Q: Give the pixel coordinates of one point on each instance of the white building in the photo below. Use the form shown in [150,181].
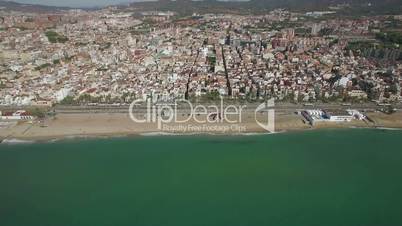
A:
[338,116]
[357,114]
[314,116]
[61,94]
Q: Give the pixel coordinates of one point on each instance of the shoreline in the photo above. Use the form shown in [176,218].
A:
[113,125]
[52,139]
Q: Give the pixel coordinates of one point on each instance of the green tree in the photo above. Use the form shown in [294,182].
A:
[55,37]
[37,112]
[68,100]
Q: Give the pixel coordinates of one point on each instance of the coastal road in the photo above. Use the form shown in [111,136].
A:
[281,107]
[250,107]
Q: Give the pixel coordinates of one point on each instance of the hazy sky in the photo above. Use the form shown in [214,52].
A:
[85,3]
[76,3]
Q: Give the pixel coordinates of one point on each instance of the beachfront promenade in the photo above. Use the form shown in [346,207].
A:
[71,121]
[280,107]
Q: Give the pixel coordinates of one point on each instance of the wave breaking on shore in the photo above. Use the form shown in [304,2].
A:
[207,134]
[16,141]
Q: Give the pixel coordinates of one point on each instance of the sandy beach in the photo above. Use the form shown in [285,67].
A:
[119,124]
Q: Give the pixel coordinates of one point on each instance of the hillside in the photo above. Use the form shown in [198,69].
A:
[259,6]
[14,6]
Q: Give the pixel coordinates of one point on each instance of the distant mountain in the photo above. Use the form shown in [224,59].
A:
[188,7]
[22,7]
[319,4]
[211,6]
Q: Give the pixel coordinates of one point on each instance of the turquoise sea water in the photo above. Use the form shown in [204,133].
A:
[330,177]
